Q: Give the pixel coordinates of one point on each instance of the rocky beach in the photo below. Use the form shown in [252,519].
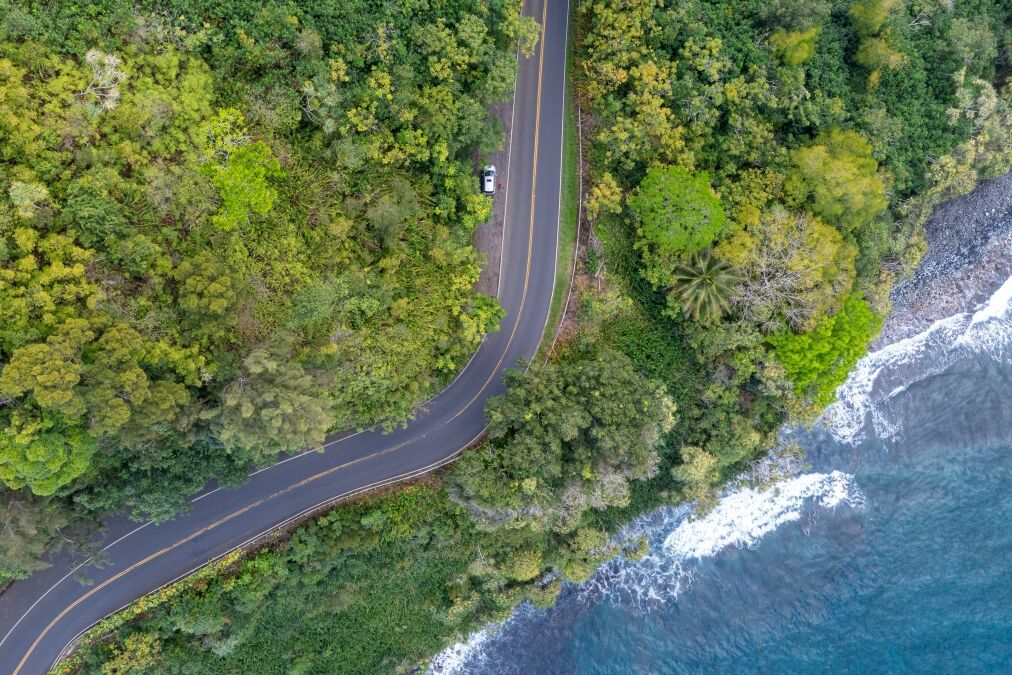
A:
[964,264]
[882,539]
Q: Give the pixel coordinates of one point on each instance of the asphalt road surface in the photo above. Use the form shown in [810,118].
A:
[40,616]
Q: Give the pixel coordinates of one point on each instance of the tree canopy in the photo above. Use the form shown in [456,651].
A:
[231,228]
[837,176]
[677,214]
[565,438]
[819,361]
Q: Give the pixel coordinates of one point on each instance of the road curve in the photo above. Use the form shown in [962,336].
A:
[41,615]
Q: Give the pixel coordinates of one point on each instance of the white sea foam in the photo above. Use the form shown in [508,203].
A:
[997,307]
[452,660]
[744,516]
[741,518]
[863,403]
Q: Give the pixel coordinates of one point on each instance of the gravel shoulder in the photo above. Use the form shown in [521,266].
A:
[487,237]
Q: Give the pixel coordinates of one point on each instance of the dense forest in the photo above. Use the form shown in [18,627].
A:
[228,228]
[761,173]
[758,175]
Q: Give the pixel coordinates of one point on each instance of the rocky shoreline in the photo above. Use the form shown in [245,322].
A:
[969,256]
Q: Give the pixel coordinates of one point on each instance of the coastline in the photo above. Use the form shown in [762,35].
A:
[969,258]
[963,265]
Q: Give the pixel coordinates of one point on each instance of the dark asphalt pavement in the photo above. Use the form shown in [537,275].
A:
[41,615]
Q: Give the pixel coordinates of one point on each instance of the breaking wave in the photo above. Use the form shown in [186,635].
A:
[452,659]
[863,404]
[678,541]
[741,518]
[745,514]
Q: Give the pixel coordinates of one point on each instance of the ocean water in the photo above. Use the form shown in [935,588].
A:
[890,552]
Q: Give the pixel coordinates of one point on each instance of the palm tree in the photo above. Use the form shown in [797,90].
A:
[703,287]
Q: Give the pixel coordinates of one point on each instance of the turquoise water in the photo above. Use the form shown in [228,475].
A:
[891,553]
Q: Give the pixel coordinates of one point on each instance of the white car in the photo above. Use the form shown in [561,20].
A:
[488,180]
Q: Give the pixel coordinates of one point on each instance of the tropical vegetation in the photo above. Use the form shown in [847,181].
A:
[759,172]
[228,228]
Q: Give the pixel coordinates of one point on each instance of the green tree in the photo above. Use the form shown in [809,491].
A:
[699,473]
[117,387]
[272,406]
[565,438]
[244,185]
[26,524]
[524,565]
[838,176]
[677,214]
[584,549]
[818,362]
[93,208]
[973,42]
[703,287]
[795,15]
[206,290]
[49,372]
[241,170]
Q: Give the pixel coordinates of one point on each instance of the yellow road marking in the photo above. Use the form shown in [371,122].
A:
[530,235]
[305,481]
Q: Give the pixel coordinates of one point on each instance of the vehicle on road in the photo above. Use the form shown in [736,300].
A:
[42,615]
[488,180]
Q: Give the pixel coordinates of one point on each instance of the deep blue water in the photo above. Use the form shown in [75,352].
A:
[900,562]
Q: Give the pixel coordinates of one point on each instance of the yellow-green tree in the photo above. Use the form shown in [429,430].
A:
[698,473]
[795,47]
[837,177]
[86,381]
[793,268]
[875,50]
[869,16]
[42,452]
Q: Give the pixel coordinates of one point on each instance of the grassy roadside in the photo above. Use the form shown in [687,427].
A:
[386,580]
[569,208]
[362,588]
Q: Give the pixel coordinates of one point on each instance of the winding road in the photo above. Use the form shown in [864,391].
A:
[41,616]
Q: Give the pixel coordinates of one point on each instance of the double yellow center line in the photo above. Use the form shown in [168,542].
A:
[527,273]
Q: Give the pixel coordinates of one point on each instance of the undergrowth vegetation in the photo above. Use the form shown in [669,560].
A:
[761,170]
[226,229]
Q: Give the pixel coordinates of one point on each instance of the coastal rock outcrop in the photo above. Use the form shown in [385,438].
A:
[969,256]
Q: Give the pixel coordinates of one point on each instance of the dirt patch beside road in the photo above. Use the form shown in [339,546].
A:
[488,236]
